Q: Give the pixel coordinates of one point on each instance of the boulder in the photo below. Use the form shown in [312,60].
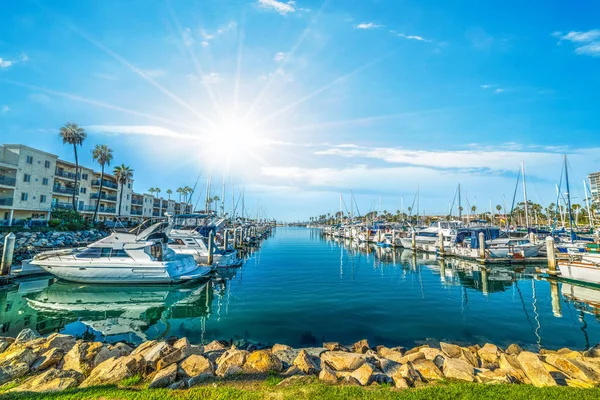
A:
[408,372]
[306,363]
[11,372]
[27,335]
[361,346]
[49,359]
[287,357]
[113,370]
[428,370]
[5,342]
[534,369]
[398,356]
[412,357]
[470,356]
[280,347]
[416,349]
[144,348]
[431,353]
[363,374]
[332,346]
[215,345]
[343,361]
[155,353]
[116,350]
[573,368]
[199,379]
[196,365]
[489,353]
[459,369]
[293,370]
[51,381]
[60,341]
[231,362]
[327,375]
[263,361]
[494,377]
[510,364]
[172,358]
[593,351]
[164,377]
[451,350]
[513,349]
[177,385]
[82,356]
[18,354]
[401,383]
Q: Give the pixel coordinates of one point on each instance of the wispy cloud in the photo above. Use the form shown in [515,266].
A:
[212,78]
[488,86]
[413,37]
[207,36]
[279,6]
[368,25]
[496,88]
[145,130]
[586,42]
[4,63]
[279,57]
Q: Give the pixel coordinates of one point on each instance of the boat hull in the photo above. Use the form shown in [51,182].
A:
[580,271]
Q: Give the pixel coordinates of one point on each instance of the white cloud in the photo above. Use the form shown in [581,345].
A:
[413,37]
[488,86]
[147,130]
[212,79]
[367,25]
[208,37]
[279,56]
[204,43]
[499,90]
[5,63]
[281,7]
[586,42]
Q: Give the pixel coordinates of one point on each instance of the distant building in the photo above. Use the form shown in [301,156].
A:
[595,186]
[33,183]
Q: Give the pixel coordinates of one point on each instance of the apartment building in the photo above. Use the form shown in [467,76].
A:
[33,183]
[595,186]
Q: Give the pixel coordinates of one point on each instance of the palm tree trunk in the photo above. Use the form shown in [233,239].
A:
[121,198]
[76,177]
[99,194]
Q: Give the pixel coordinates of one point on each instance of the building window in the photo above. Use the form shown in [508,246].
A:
[47,164]
[45,181]
[126,208]
[127,197]
[24,196]
[129,186]
[42,198]
[84,176]
[26,178]
[83,190]
[29,160]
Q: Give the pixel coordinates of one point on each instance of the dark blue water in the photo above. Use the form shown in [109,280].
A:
[300,289]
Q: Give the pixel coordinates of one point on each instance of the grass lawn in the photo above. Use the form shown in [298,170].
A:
[269,390]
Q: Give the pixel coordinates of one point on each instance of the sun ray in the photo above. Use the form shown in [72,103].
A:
[236,86]
[192,55]
[132,67]
[322,89]
[284,62]
[102,104]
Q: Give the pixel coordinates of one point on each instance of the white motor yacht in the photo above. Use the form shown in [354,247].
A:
[123,258]
[427,239]
[505,247]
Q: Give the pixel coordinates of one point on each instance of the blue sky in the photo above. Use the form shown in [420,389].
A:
[300,101]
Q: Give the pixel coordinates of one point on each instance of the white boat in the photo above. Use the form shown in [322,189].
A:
[123,258]
[508,247]
[427,239]
[584,267]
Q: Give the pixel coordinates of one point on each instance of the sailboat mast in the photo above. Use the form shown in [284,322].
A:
[587,204]
[223,199]
[418,199]
[208,193]
[459,204]
[525,195]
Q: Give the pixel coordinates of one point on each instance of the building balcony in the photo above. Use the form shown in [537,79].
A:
[104,197]
[156,214]
[107,210]
[87,208]
[63,190]
[8,164]
[64,174]
[6,201]
[62,206]
[137,202]
[8,180]
[105,184]
[136,212]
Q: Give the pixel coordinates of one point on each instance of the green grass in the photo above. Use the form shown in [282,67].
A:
[262,390]
[132,380]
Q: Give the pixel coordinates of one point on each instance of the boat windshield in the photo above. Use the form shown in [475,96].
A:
[97,252]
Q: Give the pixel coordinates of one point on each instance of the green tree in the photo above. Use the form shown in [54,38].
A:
[103,155]
[123,174]
[73,134]
[169,192]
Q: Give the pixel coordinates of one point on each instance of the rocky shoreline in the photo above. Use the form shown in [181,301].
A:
[30,362]
[29,243]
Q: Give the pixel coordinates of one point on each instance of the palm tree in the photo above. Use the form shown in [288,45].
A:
[498,207]
[186,190]
[72,133]
[103,155]
[169,192]
[122,173]
[180,191]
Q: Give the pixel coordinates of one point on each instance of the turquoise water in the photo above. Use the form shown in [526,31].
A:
[301,289]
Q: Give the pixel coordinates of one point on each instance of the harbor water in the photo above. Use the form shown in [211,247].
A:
[301,289]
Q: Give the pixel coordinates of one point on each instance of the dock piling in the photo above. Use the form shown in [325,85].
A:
[226,239]
[210,247]
[551,255]
[481,245]
[235,238]
[414,240]
[7,254]
[441,243]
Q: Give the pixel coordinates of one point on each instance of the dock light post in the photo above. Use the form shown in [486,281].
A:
[7,254]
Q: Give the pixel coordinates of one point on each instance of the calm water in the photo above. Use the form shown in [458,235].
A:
[301,289]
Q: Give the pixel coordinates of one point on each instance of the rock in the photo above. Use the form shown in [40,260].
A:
[401,383]
[113,370]
[27,335]
[18,354]
[155,353]
[388,367]
[280,347]
[164,377]
[332,346]
[5,342]
[489,353]
[416,349]
[106,352]
[172,358]
[51,381]
[181,344]
[82,356]
[287,357]
[215,345]
[297,380]
[12,371]
[408,372]
[451,350]
[342,361]
[510,364]
[428,370]
[494,377]
[363,374]
[459,369]
[327,375]
[49,359]
[199,379]
[59,341]
[513,349]
[213,355]
[573,368]
[293,370]
[231,362]
[144,348]
[361,346]
[390,354]
[195,365]
[431,353]
[411,358]
[177,385]
[306,363]
[263,361]
[534,369]
[470,356]
[592,352]
[350,381]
